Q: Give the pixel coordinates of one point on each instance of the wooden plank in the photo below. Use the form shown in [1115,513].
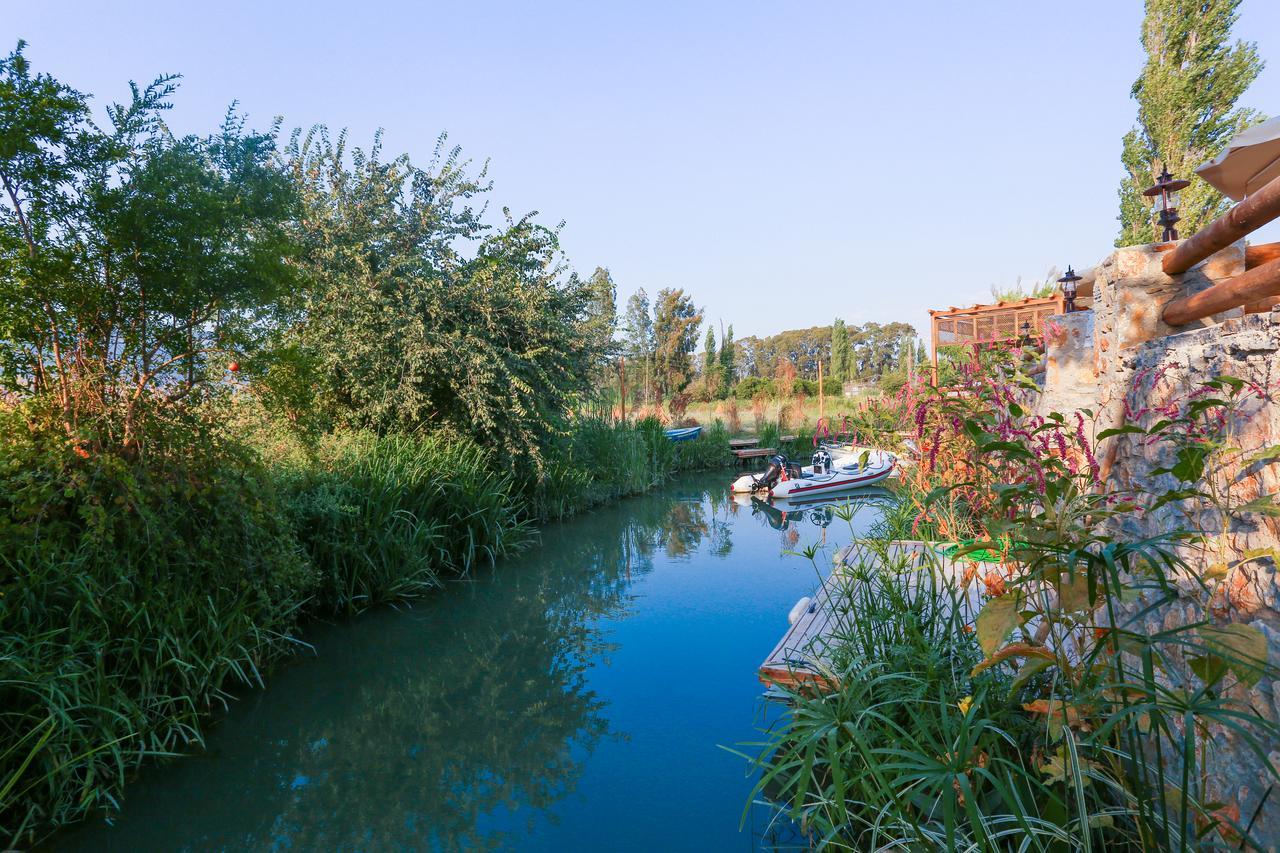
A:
[785,438]
[754,452]
[742,443]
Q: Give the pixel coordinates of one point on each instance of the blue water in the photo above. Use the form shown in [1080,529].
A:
[576,697]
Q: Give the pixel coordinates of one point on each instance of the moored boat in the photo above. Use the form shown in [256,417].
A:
[683,434]
[784,479]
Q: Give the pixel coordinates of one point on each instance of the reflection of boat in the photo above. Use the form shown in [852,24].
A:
[783,479]
[685,434]
[835,499]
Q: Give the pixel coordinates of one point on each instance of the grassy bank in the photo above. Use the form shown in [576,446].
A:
[137,594]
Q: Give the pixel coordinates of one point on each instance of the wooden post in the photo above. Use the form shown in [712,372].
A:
[1240,221]
[622,385]
[1248,287]
[820,399]
[933,325]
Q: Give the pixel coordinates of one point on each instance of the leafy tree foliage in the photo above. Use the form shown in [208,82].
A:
[839,350]
[1186,97]
[675,327]
[728,359]
[602,315]
[407,332]
[638,344]
[711,364]
[133,265]
[874,349]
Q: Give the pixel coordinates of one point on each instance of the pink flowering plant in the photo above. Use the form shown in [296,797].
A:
[1070,712]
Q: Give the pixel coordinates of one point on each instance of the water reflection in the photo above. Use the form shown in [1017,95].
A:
[467,721]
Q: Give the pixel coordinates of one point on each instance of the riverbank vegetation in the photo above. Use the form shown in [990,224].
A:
[1036,696]
[246,382]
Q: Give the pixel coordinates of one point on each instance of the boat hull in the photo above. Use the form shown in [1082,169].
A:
[879,465]
[686,434]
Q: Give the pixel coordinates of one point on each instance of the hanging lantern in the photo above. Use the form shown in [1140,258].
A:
[1069,284]
[1164,195]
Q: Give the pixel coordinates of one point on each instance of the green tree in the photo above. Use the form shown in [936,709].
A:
[406,331]
[1186,95]
[675,329]
[639,343]
[728,360]
[839,351]
[602,316]
[134,265]
[711,364]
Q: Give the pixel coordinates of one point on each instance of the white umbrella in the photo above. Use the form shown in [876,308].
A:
[1250,161]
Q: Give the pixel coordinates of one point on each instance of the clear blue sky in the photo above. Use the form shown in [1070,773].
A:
[786,163]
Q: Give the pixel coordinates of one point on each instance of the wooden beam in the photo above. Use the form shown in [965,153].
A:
[1240,221]
[1262,253]
[1251,286]
[1256,256]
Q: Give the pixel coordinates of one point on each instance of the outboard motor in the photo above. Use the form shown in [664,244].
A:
[772,474]
[821,462]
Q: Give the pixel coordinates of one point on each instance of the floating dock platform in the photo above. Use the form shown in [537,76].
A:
[801,659]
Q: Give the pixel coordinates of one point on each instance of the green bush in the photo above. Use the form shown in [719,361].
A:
[753,385]
[133,597]
[809,387]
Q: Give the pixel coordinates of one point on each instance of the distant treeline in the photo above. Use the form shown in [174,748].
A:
[873,350]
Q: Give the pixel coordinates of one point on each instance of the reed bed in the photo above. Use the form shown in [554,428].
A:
[138,596]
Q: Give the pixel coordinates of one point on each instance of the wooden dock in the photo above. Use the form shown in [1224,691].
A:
[801,659]
[746,455]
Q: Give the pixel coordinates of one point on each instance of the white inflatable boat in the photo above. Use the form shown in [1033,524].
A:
[784,479]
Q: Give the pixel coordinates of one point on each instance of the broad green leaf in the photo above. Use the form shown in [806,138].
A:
[1263,505]
[1121,430]
[998,617]
[1264,455]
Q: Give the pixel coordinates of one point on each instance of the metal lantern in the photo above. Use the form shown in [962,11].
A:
[1164,201]
[1025,329]
[1069,283]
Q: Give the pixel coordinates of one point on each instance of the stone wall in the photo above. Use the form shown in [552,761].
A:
[1120,361]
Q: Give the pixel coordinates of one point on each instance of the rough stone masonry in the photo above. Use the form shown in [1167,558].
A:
[1122,363]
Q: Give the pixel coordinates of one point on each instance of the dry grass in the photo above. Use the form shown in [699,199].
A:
[798,413]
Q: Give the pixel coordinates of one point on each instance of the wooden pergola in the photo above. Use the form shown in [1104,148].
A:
[997,324]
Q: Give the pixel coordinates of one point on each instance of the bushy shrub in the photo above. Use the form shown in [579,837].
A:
[754,386]
[133,595]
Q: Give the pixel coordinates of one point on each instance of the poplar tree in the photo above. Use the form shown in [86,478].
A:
[839,351]
[602,312]
[1186,98]
[728,366]
[711,363]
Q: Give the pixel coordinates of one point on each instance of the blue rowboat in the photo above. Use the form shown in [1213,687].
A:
[686,434]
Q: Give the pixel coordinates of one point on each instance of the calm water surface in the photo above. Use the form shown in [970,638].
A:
[574,698]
